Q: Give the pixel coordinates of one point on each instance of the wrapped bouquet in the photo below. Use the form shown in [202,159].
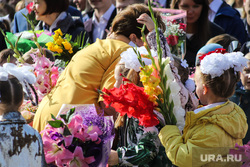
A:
[78,138]
[175,33]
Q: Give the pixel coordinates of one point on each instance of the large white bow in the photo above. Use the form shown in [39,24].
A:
[21,73]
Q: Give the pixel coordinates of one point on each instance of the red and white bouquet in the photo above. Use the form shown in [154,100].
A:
[175,33]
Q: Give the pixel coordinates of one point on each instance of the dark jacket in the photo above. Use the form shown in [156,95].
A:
[2,40]
[242,98]
[193,44]
[20,23]
[69,26]
[89,25]
[229,19]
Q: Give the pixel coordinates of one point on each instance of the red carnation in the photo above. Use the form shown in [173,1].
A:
[183,26]
[29,7]
[172,40]
[131,100]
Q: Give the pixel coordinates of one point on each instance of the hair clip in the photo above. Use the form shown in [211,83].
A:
[233,46]
[184,63]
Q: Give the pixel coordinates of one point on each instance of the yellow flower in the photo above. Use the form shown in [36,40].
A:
[58,32]
[70,51]
[59,41]
[58,49]
[66,45]
[55,37]
[50,46]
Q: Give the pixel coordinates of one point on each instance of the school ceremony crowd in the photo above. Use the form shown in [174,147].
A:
[147,83]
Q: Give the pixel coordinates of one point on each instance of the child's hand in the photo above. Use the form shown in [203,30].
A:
[113,158]
[146,19]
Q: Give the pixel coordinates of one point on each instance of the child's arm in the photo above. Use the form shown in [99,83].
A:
[183,153]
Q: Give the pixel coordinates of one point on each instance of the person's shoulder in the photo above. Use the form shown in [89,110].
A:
[74,12]
[227,10]
[215,29]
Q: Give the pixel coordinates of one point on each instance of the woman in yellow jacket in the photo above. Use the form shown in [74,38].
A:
[210,131]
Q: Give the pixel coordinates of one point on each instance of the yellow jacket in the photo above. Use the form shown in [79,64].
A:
[91,68]
[207,136]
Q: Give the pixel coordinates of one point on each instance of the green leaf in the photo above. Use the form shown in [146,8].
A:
[56,123]
[53,117]
[70,114]
[63,116]
[66,131]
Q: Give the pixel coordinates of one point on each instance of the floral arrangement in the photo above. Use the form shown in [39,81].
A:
[176,36]
[47,74]
[242,151]
[132,100]
[63,46]
[160,91]
[78,138]
[175,21]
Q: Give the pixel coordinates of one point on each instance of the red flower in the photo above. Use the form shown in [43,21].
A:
[131,100]
[219,50]
[172,40]
[183,26]
[29,7]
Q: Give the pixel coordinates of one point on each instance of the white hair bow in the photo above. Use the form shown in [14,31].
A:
[21,73]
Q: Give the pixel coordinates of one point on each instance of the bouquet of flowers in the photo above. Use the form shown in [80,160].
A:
[160,91]
[175,33]
[243,152]
[63,46]
[47,74]
[78,138]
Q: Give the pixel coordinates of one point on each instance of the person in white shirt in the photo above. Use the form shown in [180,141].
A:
[101,19]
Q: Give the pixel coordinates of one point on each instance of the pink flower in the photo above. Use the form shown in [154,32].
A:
[75,124]
[58,154]
[94,133]
[79,160]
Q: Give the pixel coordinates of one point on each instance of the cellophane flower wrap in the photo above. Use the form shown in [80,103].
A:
[243,153]
[78,138]
[175,21]
[160,91]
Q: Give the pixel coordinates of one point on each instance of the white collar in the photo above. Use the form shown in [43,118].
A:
[215,5]
[131,44]
[208,106]
[62,16]
[106,15]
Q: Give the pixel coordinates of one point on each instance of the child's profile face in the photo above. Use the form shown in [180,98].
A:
[199,86]
[118,78]
[245,76]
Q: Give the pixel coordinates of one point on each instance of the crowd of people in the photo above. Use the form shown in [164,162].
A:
[217,61]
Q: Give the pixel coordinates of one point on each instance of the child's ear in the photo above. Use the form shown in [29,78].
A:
[132,37]
[205,89]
